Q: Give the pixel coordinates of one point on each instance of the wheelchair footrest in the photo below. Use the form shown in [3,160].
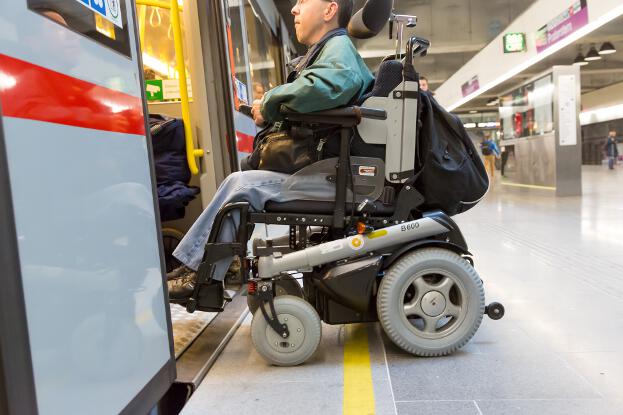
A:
[211,297]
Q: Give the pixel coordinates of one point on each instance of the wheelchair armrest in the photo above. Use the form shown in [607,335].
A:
[345,117]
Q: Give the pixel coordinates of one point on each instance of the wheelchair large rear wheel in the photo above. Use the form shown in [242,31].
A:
[431,302]
[305,332]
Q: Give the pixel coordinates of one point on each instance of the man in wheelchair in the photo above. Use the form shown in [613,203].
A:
[329,76]
[370,230]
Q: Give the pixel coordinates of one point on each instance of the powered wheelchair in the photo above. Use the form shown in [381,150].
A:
[372,254]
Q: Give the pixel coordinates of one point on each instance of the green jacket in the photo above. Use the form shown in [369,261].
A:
[337,76]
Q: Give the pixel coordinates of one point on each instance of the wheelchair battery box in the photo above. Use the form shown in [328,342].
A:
[347,292]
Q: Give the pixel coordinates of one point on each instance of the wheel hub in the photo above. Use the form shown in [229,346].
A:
[433,303]
[294,341]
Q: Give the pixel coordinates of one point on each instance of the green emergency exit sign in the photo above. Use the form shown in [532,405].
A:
[514,42]
[154,89]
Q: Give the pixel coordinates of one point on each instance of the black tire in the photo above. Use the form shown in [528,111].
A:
[305,332]
[285,285]
[431,302]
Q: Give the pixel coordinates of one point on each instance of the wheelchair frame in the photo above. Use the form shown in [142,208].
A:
[343,276]
[208,296]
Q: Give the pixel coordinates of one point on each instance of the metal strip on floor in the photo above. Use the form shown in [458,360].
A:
[194,363]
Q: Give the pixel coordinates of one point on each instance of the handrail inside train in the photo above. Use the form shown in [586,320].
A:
[191,151]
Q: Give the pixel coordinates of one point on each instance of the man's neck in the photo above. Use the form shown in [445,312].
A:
[321,33]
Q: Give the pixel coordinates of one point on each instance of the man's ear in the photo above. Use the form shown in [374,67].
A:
[331,11]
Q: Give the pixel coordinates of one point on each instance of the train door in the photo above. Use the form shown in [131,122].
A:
[232,51]
[84,323]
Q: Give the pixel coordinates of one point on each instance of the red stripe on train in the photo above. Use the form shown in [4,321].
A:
[33,92]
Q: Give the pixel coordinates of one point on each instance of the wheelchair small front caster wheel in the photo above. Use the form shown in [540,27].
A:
[303,325]
[495,311]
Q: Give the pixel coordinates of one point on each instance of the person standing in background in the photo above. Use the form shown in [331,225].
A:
[490,152]
[611,150]
[504,151]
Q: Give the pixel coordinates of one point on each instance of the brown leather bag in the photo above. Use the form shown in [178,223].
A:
[288,150]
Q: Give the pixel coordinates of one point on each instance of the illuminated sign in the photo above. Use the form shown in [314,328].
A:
[470,86]
[514,42]
[573,18]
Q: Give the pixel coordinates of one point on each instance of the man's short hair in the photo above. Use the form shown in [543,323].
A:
[344,12]
[423,78]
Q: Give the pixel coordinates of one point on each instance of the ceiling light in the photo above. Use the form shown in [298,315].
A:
[607,48]
[579,60]
[495,101]
[592,55]
[473,112]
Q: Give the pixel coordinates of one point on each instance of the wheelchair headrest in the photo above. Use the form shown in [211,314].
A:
[371,19]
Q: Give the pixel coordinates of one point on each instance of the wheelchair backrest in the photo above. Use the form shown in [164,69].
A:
[399,98]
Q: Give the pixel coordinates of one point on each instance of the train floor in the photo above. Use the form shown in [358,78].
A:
[557,266]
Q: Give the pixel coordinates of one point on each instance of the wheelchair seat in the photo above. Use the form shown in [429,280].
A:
[322,207]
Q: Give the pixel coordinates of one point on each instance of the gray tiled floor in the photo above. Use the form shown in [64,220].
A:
[556,264]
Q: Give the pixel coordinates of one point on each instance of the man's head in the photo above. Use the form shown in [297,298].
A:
[423,83]
[314,18]
[612,133]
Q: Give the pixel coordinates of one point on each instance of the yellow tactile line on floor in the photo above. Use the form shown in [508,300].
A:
[358,389]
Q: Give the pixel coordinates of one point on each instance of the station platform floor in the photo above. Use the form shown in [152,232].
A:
[557,266]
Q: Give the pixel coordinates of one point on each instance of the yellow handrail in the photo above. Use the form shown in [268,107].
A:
[142,17]
[191,151]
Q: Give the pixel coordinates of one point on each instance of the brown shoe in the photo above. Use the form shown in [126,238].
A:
[182,287]
[180,272]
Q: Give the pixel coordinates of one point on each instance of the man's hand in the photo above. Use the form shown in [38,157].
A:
[257,114]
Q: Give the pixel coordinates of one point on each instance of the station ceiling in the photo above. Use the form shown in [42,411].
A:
[596,75]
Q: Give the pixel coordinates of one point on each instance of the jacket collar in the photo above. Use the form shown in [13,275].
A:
[315,49]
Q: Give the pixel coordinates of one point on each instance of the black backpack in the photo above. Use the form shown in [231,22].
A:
[486,150]
[450,175]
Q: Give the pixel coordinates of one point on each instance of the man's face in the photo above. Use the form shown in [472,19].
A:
[310,17]
[612,134]
[423,84]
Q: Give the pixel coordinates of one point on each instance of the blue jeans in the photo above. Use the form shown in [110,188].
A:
[611,161]
[255,187]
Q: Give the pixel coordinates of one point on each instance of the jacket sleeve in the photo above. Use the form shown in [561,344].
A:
[333,80]
[496,149]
